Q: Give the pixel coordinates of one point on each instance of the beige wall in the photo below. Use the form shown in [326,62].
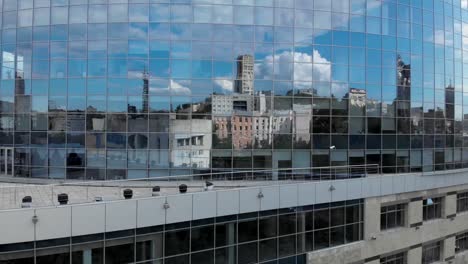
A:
[380,243]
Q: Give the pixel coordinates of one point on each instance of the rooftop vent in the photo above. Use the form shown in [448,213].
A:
[182,188]
[128,193]
[209,186]
[156,190]
[26,202]
[62,198]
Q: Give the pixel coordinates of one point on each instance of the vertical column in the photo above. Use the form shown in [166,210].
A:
[2,161]
[231,241]
[371,218]
[449,249]
[152,250]
[301,237]
[87,256]
[12,162]
[449,211]
[415,212]
[450,205]
[415,255]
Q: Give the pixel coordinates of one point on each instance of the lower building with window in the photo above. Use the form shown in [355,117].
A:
[432,252]
[284,235]
[398,258]
[461,242]
[392,216]
[462,202]
[236,222]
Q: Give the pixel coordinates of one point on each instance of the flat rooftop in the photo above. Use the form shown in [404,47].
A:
[11,194]
[44,191]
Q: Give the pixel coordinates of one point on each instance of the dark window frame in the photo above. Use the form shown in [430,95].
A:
[461,242]
[392,216]
[398,258]
[462,202]
[431,252]
[433,210]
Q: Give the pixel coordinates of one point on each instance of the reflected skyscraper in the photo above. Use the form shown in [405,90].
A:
[244,83]
[357,97]
[145,93]
[19,84]
[403,80]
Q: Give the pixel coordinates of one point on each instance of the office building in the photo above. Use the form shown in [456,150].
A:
[333,131]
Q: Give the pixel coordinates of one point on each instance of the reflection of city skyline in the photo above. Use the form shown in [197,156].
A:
[244,117]
[244,98]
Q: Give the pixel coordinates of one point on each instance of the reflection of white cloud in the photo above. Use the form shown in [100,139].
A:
[278,67]
[179,89]
[226,85]
[464,3]
[174,88]
[465,43]
[306,68]
[155,90]
[457,27]
[322,68]
[135,74]
[178,32]
[139,14]
[464,28]
[339,89]
[440,38]
[339,20]
[221,14]
[371,5]
[137,32]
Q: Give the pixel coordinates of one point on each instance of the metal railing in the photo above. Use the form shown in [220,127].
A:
[44,195]
[306,174]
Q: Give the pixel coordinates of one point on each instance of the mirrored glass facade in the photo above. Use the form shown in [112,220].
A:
[111,89]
